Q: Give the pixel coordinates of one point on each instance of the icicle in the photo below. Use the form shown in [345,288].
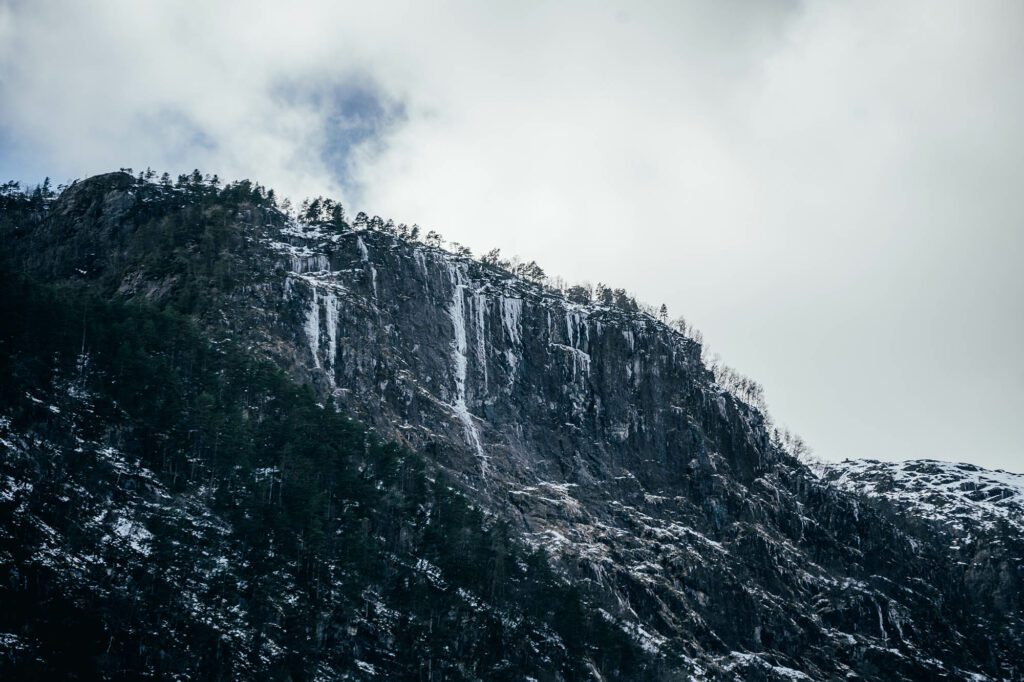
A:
[314,331]
[895,618]
[316,263]
[457,312]
[421,262]
[313,328]
[480,305]
[331,321]
[364,255]
[575,328]
[580,361]
[511,319]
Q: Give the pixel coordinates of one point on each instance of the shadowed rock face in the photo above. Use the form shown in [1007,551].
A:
[597,431]
[512,379]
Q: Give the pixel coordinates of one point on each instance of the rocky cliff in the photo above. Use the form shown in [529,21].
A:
[596,432]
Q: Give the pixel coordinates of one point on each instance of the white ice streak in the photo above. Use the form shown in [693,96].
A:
[457,313]
[580,360]
[314,263]
[578,342]
[301,259]
[364,255]
[312,328]
[314,332]
[480,307]
[576,330]
[512,323]
[627,334]
[331,321]
[420,259]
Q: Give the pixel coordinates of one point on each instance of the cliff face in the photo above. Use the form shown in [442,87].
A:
[597,432]
[605,435]
[508,379]
[979,515]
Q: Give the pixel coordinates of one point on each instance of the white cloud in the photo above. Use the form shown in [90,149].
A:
[828,189]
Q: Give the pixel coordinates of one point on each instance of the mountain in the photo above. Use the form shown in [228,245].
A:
[243,445]
[966,499]
[978,513]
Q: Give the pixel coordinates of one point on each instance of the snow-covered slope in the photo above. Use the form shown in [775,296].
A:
[962,496]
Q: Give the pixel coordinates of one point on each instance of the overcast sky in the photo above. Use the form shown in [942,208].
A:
[832,192]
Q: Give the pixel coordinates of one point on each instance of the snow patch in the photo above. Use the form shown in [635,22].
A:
[959,495]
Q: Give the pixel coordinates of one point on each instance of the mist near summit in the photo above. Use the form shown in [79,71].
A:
[829,191]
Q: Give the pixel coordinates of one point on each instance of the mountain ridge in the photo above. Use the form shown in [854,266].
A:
[595,432]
